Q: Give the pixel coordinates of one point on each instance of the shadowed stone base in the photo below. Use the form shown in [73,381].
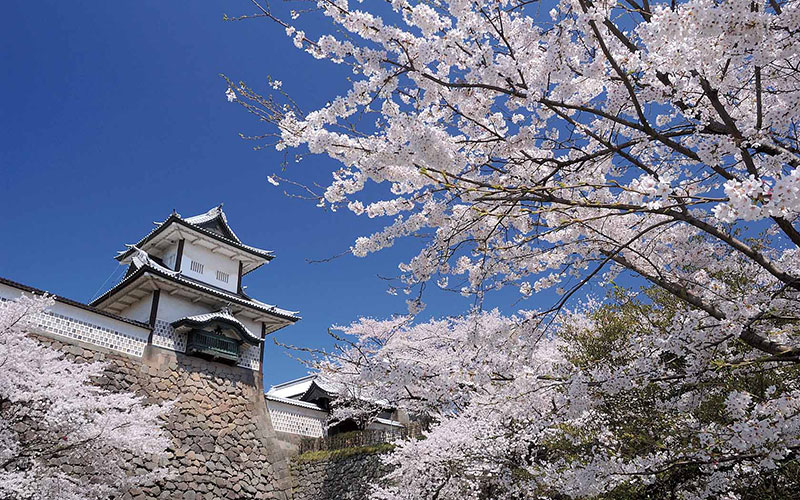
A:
[347,478]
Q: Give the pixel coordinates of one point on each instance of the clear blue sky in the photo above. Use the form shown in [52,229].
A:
[114,114]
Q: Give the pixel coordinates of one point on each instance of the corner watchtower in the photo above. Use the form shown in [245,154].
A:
[184,279]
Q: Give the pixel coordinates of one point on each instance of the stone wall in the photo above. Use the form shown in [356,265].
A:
[343,478]
[223,445]
[223,442]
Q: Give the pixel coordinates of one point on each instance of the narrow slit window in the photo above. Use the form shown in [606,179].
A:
[223,277]
[196,267]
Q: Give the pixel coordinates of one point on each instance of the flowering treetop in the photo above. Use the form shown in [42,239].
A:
[554,145]
[551,144]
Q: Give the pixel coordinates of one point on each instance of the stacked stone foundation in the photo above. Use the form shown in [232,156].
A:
[223,445]
[222,442]
[347,478]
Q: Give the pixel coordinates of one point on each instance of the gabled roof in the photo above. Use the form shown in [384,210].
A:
[212,224]
[145,266]
[223,316]
[318,389]
[214,220]
[292,388]
[304,388]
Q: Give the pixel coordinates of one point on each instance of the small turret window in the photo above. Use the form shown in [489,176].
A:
[223,277]
[196,267]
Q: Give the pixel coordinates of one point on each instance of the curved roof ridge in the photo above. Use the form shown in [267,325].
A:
[211,215]
[194,223]
[142,259]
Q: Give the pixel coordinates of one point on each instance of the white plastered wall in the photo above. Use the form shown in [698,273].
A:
[172,307]
[75,323]
[140,311]
[299,420]
[212,262]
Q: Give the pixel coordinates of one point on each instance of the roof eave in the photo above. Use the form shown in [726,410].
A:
[293,402]
[147,269]
[262,254]
[314,386]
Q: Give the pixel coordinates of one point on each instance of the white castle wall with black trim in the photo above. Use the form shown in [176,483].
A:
[73,323]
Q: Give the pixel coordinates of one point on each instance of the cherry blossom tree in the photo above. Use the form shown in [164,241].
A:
[61,437]
[619,401]
[550,145]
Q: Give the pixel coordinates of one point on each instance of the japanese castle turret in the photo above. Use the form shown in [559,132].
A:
[184,280]
[179,328]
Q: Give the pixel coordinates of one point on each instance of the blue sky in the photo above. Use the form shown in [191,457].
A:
[114,114]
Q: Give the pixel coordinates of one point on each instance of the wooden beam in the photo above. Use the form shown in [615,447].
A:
[261,349]
[153,315]
[239,279]
[179,256]
[149,285]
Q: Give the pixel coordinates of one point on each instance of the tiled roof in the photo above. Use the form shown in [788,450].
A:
[214,213]
[291,388]
[332,392]
[174,276]
[295,402]
[325,386]
[224,315]
[193,223]
[303,386]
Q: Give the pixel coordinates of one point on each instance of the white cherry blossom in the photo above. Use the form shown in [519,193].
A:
[555,145]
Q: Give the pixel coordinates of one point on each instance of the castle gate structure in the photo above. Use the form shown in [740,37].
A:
[179,327]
